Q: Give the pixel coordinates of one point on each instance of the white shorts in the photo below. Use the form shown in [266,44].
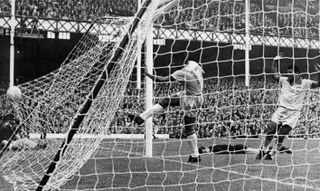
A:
[286,117]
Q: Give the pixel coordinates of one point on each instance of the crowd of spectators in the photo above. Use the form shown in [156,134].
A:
[70,9]
[229,109]
[297,18]
[229,16]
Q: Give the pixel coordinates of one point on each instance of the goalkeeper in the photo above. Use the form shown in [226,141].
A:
[293,92]
[8,125]
[190,100]
[228,149]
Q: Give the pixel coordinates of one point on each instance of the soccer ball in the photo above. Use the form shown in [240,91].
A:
[14,93]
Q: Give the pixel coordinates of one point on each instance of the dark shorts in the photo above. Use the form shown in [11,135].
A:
[190,104]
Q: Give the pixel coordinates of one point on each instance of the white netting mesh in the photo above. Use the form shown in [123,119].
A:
[53,101]
[212,33]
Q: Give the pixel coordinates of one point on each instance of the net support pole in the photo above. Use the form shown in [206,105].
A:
[138,65]
[247,41]
[12,25]
[149,91]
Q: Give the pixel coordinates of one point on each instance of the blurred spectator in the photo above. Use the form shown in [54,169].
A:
[229,109]
[290,18]
[247,115]
[71,9]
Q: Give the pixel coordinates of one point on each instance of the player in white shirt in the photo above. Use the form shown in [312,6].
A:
[190,99]
[291,99]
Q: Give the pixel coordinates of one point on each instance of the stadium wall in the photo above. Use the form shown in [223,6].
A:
[229,60]
[36,57]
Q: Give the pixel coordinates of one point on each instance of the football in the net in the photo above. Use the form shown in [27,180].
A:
[14,93]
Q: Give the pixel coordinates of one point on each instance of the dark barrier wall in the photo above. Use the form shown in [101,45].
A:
[231,61]
[36,57]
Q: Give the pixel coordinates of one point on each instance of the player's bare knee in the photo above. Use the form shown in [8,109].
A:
[189,125]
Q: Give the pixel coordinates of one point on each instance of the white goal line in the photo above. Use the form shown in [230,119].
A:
[130,136]
[92,136]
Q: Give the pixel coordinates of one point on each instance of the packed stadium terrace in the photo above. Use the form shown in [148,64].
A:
[229,109]
[218,118]
[71,9]
[224,16]
[298,19]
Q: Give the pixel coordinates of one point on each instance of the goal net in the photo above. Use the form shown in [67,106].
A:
[213,33]
[81,98]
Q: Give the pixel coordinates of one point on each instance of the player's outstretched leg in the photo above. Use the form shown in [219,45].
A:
[139,119]
[136,118]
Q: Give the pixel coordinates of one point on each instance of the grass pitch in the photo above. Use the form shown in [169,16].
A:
[120,165]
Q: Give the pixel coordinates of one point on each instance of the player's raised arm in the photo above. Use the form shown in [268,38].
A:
[316,84]
[276,74]
[159,78]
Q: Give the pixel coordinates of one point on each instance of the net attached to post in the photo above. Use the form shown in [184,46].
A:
[213,33]
[53,102]
[209,32]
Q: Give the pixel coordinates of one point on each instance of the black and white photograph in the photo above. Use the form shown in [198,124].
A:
[159,95]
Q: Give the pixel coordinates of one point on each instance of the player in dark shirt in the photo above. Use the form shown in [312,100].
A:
[8,125]
[6,129]
[228,149]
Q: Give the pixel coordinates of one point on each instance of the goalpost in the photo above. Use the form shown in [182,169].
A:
[89,96]
[149,92]
[12,24]
[96,68]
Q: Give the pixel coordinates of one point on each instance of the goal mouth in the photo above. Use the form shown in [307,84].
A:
[81,97]
[92,145]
